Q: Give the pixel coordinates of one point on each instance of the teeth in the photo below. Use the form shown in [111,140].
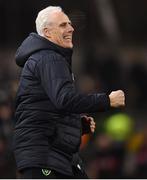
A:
[67,37]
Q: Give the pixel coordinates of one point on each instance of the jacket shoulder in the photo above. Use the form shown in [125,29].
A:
[47,55]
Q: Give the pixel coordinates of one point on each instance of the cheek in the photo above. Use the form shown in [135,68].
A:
[56,35]
[60,36]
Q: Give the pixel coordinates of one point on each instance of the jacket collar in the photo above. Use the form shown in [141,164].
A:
[66,52]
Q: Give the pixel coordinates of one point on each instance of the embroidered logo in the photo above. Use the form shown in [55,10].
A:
[46,172]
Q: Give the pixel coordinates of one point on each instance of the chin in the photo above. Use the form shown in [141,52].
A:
[69,46]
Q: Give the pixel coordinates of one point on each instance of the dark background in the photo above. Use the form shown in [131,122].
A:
[109,54]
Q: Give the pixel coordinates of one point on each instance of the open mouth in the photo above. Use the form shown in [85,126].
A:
[68,38]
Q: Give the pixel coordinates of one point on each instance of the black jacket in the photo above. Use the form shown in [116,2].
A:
[48,107]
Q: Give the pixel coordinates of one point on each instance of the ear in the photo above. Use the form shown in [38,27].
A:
[47,32]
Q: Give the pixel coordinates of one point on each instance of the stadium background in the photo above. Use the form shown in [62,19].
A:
[110,52]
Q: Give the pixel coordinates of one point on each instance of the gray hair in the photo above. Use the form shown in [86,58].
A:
[43,18]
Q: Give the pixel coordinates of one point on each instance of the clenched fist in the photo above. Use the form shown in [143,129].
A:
[117,98]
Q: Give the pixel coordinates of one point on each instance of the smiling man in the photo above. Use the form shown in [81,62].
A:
[59,30]
[48,121]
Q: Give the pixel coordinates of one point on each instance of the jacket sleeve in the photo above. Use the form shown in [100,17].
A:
[57,82]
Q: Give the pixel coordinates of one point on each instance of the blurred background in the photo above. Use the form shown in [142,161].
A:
[110,53]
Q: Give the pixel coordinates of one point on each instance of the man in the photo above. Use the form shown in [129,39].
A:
[48,124]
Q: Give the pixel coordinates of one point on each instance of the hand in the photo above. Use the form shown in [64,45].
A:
[88,124]
[117,98]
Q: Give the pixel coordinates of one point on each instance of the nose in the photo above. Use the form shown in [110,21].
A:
[70,28]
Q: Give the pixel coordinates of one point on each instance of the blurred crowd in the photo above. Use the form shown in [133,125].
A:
[110,53]
[7,162]
[118,151]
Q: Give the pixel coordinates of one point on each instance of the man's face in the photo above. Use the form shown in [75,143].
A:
[61,30]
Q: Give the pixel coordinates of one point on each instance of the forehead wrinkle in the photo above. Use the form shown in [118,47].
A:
[59,18]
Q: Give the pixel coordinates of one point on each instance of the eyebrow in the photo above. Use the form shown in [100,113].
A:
[63,23]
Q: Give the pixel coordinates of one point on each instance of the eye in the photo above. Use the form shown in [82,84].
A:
[63,25]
